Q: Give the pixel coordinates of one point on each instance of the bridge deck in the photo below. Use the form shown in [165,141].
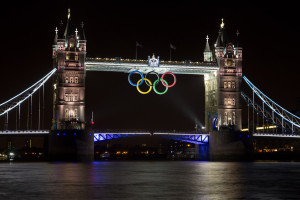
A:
[25,132]
[281,135]
[128,65]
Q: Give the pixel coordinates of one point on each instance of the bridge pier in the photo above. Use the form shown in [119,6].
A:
[71,145]
[202,152]
[230,145]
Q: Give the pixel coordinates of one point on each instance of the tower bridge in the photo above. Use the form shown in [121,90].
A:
[222,71]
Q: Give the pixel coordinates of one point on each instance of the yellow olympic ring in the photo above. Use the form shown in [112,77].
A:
[137,86]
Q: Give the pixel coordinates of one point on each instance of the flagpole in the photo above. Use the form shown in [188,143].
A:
[170,53]
[135,52]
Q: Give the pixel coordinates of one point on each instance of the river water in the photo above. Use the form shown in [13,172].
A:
[150,180]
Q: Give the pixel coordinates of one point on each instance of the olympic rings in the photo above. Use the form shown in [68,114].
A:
[167,84]
[163,81]
[137,87]
[137,83]
[148,82]
[152,72]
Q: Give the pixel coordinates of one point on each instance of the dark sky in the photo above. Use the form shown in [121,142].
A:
[269,35]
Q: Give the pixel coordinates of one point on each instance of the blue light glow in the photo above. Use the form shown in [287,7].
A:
[215,122]
[196,139]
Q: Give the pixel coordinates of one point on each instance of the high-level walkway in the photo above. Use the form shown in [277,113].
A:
[128,65]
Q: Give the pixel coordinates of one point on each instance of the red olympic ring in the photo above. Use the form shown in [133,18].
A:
[166,84]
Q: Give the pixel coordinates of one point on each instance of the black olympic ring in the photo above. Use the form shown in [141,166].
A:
[152,72]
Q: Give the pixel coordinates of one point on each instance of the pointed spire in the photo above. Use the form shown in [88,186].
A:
[207,48]
[222,24]
[68,26]
[219,40]
[60,32]
[69,13]
[222,37]
[81,32]
[55,37]
[237,38]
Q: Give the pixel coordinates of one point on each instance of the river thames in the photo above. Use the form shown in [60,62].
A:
[150,180]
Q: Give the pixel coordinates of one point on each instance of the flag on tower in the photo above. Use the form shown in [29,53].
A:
[138,44]
[172,46]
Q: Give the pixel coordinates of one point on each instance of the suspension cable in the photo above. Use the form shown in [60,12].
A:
[259,93]
[41,80]
[30,93]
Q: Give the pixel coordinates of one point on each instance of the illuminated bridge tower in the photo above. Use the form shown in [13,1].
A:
[226,140]
[230,79]
[69,138]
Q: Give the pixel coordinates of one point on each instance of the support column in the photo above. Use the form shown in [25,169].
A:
[211,101]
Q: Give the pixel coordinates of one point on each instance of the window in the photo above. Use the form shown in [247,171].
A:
[76,79]
[75,97]
[75,114]
[225,84]
[233,84]
[225,118]
[71,80]
[233,117]
[233,101]
[229,84]
[71,114]
[66,114]
[229,118]
[225,101]
[66,80]
[66,97]
[71,97]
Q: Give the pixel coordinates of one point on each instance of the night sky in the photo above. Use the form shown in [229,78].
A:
[269,35]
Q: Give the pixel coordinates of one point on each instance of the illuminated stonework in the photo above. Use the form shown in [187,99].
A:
[230,79]
[69,52]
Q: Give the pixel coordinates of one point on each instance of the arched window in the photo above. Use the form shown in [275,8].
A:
[233,101]
[233,117]
[229,118]
[225,118]
[71,113]
[67,80]
[66,114]
[233,84]
[76,79]
[75,114]
[225,101]
[66,97]
[71,79]
[225,84]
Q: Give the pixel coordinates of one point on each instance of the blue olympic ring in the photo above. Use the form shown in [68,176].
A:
[141,76]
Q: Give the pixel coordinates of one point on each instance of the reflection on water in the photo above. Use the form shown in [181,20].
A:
[150,180]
